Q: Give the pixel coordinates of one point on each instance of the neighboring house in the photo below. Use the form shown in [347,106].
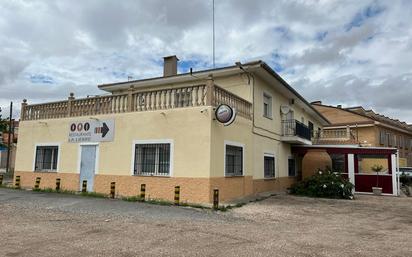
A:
[4,140]
[368,128]
[163,132]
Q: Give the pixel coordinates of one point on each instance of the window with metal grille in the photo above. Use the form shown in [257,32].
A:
[269,166]
[234,161]
[46,158]
[382,137]
[152,159]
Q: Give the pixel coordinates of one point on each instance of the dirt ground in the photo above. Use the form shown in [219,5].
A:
[41,224]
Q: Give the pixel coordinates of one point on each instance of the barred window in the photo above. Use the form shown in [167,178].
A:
[234,161]
[46,158]
[269,166]
[152,159]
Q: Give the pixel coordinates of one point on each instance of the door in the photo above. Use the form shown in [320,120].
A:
[87,165]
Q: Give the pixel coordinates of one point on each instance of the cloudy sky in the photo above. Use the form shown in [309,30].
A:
[342,52]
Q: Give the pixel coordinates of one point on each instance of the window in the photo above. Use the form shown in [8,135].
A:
[291,167]
[46,158]
[267,106]
[234,161]
[152,159]
[401,142]
[382,137]
[269,166]
[338,162]
[310,125]
[366,163]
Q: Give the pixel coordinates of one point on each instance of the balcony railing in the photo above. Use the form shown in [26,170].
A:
[335,136]
[292,128]
[137,101]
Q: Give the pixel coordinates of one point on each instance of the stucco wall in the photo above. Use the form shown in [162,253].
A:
[187,127]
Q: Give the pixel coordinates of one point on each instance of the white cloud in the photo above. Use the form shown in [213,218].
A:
[343,52]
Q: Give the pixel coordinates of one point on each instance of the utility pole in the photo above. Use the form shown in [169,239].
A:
[10,130]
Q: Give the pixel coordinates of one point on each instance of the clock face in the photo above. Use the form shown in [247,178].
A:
[224,113]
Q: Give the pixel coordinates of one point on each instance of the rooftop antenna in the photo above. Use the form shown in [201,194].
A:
[213,6]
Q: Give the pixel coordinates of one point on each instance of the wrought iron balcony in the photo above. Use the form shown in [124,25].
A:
[295,132]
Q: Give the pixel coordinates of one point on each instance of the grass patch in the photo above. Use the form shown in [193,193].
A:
[133,199]
[93,194]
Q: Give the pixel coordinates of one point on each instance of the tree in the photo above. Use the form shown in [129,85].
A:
[3,123]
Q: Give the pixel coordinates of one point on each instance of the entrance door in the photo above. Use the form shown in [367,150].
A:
[87,165]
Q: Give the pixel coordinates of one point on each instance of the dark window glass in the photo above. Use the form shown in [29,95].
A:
[234,161]
[338,162]
[269,166]
[46,158]
[291,167]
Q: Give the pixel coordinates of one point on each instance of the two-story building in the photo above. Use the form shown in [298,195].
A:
[368,128]
[164,132]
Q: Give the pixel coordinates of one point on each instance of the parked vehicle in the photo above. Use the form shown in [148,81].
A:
[406,171]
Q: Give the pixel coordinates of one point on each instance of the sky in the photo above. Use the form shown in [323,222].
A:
[340,52]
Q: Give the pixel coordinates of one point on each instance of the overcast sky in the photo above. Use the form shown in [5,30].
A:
[341,52]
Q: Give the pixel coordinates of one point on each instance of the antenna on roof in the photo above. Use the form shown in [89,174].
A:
[213,12]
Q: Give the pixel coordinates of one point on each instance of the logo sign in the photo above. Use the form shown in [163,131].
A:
[91,131]
[225,114]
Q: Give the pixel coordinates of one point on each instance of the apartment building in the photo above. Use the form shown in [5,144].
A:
[228,128]
[368,128]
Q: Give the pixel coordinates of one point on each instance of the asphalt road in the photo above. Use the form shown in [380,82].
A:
[48,224]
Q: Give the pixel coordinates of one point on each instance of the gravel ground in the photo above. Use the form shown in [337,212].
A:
[47,224]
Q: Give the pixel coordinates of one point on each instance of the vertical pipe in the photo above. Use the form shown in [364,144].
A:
[10,130]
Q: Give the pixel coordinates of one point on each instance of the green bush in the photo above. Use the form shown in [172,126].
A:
[325,184]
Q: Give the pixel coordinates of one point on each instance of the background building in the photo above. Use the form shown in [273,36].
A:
[368,128]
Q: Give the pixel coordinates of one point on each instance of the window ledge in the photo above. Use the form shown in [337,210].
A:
[154,176]
[269,178]
[268,117]
[234,176]
[45,171]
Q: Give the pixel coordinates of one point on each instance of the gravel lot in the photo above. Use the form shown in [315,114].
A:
[47,224]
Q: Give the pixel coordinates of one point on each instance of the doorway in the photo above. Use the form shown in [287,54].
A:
[87,165]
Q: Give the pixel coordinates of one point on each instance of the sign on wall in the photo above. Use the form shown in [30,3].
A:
[91,131]
[225,114]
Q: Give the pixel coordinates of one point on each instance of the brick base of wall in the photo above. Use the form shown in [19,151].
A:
[192,190]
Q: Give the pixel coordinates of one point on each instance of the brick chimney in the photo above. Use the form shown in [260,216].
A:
[170,66]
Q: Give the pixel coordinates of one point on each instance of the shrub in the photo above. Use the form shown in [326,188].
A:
[324,184]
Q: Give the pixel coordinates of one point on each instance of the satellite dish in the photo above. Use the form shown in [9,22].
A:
[284,109]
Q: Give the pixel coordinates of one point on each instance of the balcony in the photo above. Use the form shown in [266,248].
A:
[138,101]
[295,132]
[339,136]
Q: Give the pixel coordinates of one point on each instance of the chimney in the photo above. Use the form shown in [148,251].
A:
[170,66]
[339,106]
